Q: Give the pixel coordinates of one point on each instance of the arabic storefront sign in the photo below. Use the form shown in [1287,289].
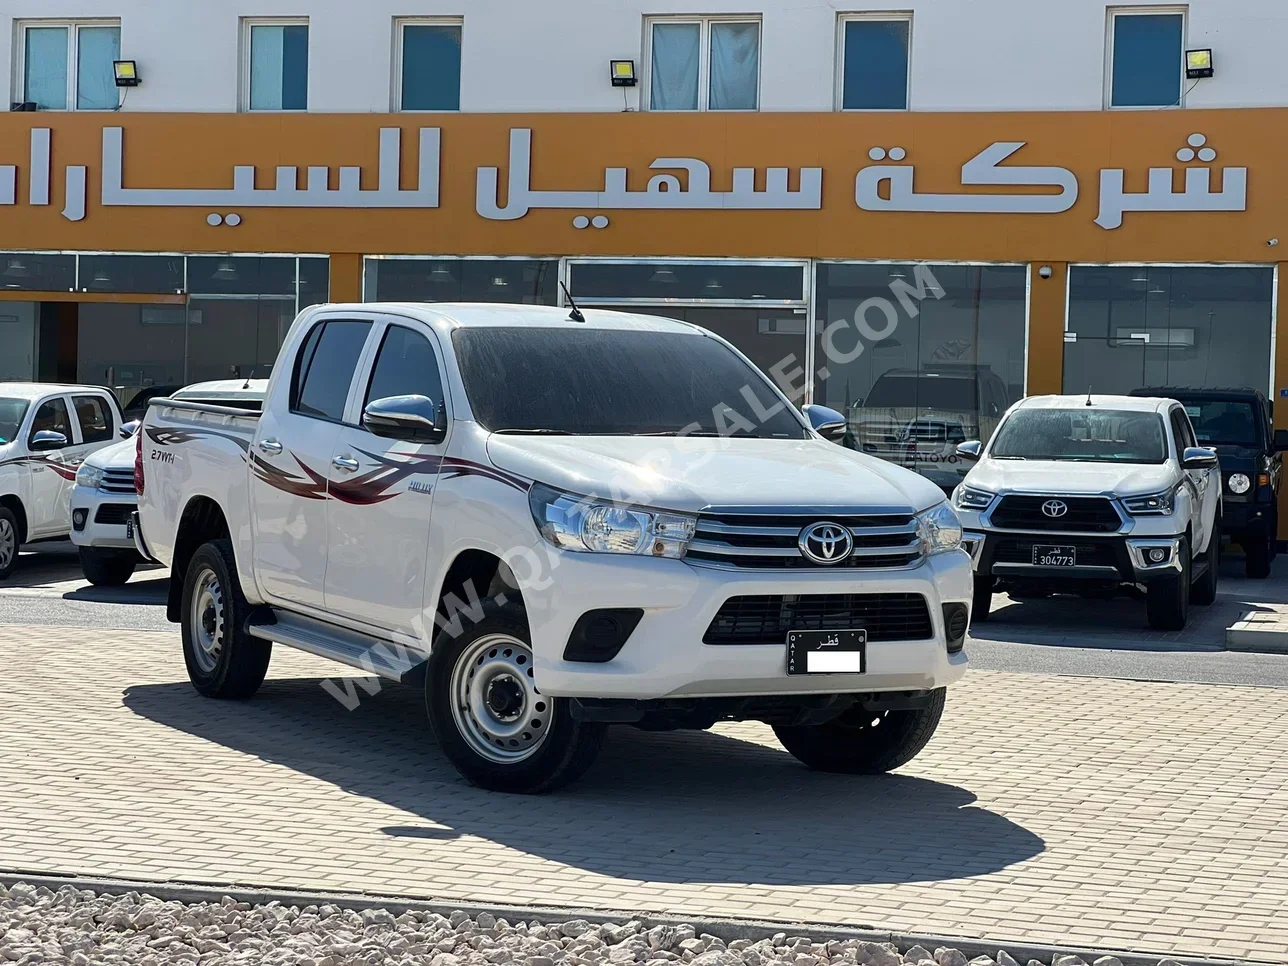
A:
[1076,186]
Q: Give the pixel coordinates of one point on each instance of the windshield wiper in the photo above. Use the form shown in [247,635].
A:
[1009,457]
[538,431]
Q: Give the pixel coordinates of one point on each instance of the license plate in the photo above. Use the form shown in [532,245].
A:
[129,528]
[827,652]
[1044,556]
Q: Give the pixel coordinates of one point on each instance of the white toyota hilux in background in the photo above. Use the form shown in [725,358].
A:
[552,522]
[45,432]
[1094,495]
[103,499]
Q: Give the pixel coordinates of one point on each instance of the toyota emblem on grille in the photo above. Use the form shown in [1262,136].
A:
[825,543]
[1055,508]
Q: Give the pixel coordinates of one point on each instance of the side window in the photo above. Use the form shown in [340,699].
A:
[95,418]
[325,367]
[1182,430]
[52,415]
[406,365]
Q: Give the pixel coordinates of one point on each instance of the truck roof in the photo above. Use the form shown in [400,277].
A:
[34,390]
[455,315]
[1214,392]
[1141,404]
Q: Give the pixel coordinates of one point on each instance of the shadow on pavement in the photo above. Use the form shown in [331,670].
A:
[677,807]
[147,587]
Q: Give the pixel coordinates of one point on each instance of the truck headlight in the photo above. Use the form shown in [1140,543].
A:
[588,525]
[1239,483]
[939,529]
[968,498]
[1151,504]
[89,476]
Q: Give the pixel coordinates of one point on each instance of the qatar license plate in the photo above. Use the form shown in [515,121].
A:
[1044,556]
[827,652]
[129,528]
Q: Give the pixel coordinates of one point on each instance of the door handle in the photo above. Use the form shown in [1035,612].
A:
[270,446]
[346,463]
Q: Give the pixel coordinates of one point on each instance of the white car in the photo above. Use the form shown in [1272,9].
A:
[552,521]
[1094,495]
[45,433]
[104,499]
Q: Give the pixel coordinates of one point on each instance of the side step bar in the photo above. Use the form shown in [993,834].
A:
[397,662]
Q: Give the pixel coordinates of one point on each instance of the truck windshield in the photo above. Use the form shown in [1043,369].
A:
[12,412]
[1222,422]
[1079,435]
[616,382]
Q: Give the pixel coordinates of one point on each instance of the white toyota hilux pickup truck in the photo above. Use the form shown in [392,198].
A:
[45,432]
[1094,495]
[551,522]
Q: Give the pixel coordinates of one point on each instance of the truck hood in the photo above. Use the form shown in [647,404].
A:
[1067,478]
[118,456]
[690,473]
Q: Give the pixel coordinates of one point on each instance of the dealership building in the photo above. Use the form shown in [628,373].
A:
[902,213]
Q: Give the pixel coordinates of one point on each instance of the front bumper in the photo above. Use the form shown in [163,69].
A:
[1239,517]
[105,516]
[1113,557]
[665,655]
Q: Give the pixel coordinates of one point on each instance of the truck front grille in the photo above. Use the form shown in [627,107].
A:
[118,481]
[1085,514]
[767,619]
[770,541]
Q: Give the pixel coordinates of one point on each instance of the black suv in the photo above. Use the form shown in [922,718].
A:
[1237,423]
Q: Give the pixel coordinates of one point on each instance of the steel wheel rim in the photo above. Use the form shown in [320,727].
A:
[495,704]
[206,621]
[8,544]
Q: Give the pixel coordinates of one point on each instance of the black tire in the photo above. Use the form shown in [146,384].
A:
[1257,552]
[1203,590]
[468,665]
[232,664]
[107,568]
[853,745]
[1167,599]
[10,540]
[982,599]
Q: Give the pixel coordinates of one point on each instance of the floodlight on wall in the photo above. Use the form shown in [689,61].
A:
[126,73]
[622,73]
[1198,63]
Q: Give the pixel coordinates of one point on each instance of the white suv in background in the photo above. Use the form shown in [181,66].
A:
[1094,495]
[104,498]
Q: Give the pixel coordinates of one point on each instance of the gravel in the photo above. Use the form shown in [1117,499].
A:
[81,928]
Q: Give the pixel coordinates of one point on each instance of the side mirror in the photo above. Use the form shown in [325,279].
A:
[970,449]
[130,428]
[47,439]
[828,423]
[411,418]
[1281,440]
[1198,458]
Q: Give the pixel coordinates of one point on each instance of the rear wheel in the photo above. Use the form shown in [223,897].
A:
[982,599]
[1167,599]
[863,742]
[1203,590]
[490,719]
[107,568]
[223,660]
[8,542]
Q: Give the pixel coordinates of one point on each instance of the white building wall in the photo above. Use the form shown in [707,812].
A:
[519,55]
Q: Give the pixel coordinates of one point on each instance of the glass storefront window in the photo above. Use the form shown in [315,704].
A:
[18,341]
[161,274]
[521,280]
[128,347]
[920,357]
[315,282]
[1190,326]
[236,338]
[610,282]
[241,275]
[37,273]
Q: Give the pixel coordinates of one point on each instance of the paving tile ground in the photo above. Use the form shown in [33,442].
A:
[1105,813]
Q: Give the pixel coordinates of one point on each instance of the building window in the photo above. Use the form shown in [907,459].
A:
[704,64]
[276,71]
[68,65]
[529,281]
[428,65]
[873,61]
[1146,51]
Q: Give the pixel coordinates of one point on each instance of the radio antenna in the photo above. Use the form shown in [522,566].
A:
[575,315]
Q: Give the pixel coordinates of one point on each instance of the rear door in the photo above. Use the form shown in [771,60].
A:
[290,461]
[52,471]
[382,491]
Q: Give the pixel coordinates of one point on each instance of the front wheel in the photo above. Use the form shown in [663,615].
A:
[107,568]
[490,719]
[1167,599]
[223,660]
[8,542]
[863,742]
